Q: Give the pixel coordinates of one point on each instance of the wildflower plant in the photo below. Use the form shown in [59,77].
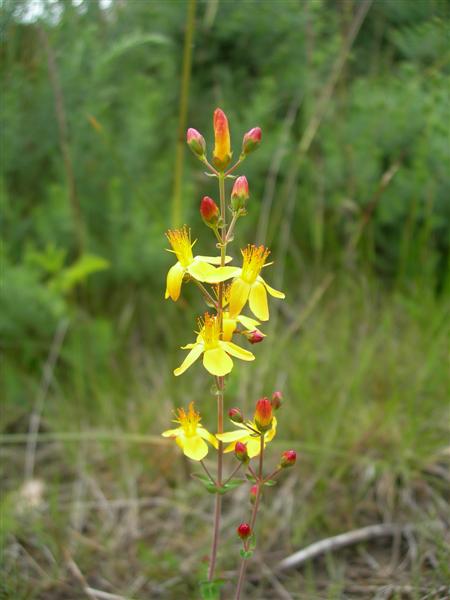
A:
[227,290]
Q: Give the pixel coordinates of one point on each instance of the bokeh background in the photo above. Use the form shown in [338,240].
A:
[350,189]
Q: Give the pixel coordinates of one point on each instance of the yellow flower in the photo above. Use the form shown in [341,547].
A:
[216,352]
[249,285]
[191,434]
[198,267]
[248,434]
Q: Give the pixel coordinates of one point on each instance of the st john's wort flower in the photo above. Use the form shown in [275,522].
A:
[191,435]
[216,352]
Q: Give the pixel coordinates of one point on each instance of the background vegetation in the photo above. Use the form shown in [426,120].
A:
[358,217]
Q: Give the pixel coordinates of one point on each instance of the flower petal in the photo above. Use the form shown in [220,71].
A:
[272,291]
[174,281]
[247,322]
[209,437]
[258,301]
[190,359]
[171,432]
[213,260]
[232,436]
[220,274]
[217,362]
[237,351]
[200,270]
[229,325]
[253,447]
[194,447]
[239,292]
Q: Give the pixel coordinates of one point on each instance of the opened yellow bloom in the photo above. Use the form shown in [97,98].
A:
[190,435]
[216,352]
[249,285]
[199,267]
[248,434]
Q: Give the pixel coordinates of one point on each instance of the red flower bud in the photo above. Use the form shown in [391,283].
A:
[263,415]
[277,400]
[244,531]
[240,193]
[255,336]
[222,145]
[240,451]
[235,415]
[253,494]
[196,142]
[251,141]
[209,211]
[288,459]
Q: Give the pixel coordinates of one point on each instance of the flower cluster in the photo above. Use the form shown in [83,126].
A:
[226,289]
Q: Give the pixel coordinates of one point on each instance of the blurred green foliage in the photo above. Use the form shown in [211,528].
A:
[118,68]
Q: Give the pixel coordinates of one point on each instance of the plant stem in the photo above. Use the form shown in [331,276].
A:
[236,216]
[209,299]
[220,387]
[233,473]
[207,472]
[253,518]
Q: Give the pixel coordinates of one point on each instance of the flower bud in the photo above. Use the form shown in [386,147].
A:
[263,415]
[209,211]
[288,459]
[244,531]
[235,415]
[239,193]
[251,141]
[277,400]
[253,494]
[240,451]
[222,145]
[255,336]
[196,142]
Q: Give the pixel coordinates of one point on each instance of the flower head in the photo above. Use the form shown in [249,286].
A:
[222,145]
[277,400]
[244,531]
[196,142]
[235,415]
[288,459]
[216,352]
[198,267]
[191,435]
[239,193]
[249,285]
[251,141]
[240,452]
[263,415]
[253,494]
[231,320]
[209,211]
[255,337]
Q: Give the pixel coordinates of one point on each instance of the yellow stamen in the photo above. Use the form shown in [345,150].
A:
[189,421]
[180,240]
[254,259]
[209,331]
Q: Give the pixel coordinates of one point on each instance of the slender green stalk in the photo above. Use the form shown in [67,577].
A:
[220,387]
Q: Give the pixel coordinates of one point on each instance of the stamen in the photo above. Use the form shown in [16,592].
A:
[180,240]
[254,259]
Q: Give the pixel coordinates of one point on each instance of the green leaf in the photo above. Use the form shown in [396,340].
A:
[78,272]
[233,484]
[207,483]
[250,478]
[270,482]
[210,590]
[246,553]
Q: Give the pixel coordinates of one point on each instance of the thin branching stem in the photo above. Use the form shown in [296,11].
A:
[260,483]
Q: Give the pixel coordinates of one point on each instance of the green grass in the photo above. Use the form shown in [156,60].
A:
[366,407]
